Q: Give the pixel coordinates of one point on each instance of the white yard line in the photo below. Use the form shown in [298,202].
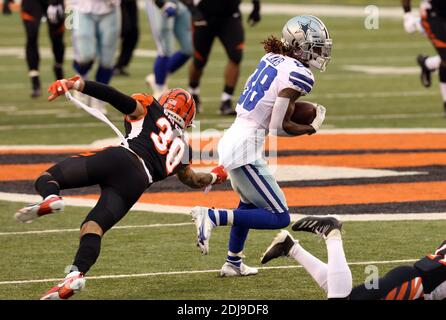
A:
[143,226]
[188,272]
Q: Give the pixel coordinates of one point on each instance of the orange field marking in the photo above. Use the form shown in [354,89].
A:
[309,196]
[11,172]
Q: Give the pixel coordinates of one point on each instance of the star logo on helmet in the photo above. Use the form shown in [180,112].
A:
[305,27]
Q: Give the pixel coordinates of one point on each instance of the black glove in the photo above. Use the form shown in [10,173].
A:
[254,16]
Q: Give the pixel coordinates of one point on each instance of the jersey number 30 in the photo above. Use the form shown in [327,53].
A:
[259,84]
[164,144]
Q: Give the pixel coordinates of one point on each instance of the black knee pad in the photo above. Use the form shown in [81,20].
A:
[44,179]
[200,63]
[236,55]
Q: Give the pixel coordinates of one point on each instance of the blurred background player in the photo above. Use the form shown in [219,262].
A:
[168,20]
[433,22]
[32,13]
[266,105]
[6,9]
[96,37]
[424,280]
[129,36]
[221,19]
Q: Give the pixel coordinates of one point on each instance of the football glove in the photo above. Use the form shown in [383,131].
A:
[219,175]
[55,13]
[254,16]
[170,9]
[320,117]
[59,87]
[411,23]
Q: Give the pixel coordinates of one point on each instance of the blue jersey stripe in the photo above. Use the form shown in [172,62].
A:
[302,77]
[306,88]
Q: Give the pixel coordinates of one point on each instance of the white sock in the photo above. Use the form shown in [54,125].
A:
[339,276]
[443,90]
[194,90]
[433,63]
[315,267]
[225,96]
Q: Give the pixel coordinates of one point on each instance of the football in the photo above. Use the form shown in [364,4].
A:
[304,112]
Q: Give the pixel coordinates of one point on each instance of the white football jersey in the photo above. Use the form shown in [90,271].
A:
[98,7]
[243,142]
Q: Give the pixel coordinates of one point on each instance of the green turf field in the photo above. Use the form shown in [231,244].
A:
[171,249]
[353,99]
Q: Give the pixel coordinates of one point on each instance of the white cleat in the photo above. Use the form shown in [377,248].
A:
[230,270]
[204,227]
[74,282]
[51,204]
[157,90]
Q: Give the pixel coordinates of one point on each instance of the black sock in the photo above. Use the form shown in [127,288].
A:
[58,71]
[47,185]
[229,90]
[88,252]
[35,81]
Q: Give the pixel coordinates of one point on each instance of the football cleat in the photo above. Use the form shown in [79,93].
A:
[204,227]
[51,204]
[318,225]
[280,246]
[74,282]
[197,102]
[157,90]
[426,74]
[231,270]
[226,108]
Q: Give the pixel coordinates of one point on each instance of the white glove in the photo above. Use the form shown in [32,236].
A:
[320,117]
[411,23]
[55,13]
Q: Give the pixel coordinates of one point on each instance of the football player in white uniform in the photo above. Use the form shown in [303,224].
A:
[265,106]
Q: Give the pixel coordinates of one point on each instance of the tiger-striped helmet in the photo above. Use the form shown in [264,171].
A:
[180,106]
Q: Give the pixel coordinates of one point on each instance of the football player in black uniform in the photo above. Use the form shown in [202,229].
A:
[32,13]
[221,19]
[426,279]
[433,21]
[157,148]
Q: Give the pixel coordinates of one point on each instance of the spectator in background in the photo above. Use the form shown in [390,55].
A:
[168,20]
[96,37]
[32,12]
[6,8]
[129,35]
[222,19]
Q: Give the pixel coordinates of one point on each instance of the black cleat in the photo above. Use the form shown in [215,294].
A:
[197,103]
[120,71]
[318,225]
[425,76]
[226,108]
[280,246]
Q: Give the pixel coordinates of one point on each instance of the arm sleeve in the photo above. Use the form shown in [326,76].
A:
[117,99]
[279,110]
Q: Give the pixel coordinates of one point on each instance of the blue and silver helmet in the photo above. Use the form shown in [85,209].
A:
[309,37]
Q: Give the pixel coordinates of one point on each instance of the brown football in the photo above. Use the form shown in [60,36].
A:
[304,112]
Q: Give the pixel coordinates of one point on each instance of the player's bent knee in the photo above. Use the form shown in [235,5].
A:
[283,220]
[236,56]
[199,63]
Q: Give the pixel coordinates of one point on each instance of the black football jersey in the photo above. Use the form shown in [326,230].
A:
[432,269]
[439,6]
[219,8]
[158,142]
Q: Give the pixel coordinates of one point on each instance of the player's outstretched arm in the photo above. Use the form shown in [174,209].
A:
[198,180]
[120,101]
[281,124]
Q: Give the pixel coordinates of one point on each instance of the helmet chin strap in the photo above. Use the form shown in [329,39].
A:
[176,118]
